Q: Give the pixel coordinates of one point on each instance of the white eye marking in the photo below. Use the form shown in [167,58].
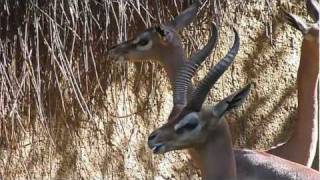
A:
[186,120]
[136,40]
[177,126]
[145,47]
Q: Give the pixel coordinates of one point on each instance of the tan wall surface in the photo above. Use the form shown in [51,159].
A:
[54,67]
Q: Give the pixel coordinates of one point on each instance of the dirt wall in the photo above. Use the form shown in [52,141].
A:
[68,112]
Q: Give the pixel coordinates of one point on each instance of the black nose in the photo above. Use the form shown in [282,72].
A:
[152,136]
[152,140]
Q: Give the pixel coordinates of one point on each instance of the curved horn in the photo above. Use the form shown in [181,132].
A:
[188,70]
[201,92]
[313,8]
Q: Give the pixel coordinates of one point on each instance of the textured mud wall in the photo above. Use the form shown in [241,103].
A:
[68,112]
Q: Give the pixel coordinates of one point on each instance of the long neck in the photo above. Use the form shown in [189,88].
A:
[306,129]
[301,147]
[216,158]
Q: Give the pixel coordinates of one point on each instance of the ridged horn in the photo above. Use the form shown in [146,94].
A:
[202,90]
[188,70]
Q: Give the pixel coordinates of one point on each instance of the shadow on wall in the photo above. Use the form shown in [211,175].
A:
[262,58]
[97,113]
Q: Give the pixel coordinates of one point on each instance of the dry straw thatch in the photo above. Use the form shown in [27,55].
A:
[64,105]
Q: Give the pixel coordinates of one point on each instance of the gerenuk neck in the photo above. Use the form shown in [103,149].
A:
[301,147]
[306,128]
[216,158]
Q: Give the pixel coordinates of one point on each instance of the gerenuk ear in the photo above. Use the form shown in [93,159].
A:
[185,17]
[313,8]
[296,22]
[230,102]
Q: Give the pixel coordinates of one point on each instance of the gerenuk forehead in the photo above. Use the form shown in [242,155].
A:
[147,32]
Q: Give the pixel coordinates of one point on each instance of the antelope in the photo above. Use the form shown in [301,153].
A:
[162,44]
[205,131]
[301,147]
